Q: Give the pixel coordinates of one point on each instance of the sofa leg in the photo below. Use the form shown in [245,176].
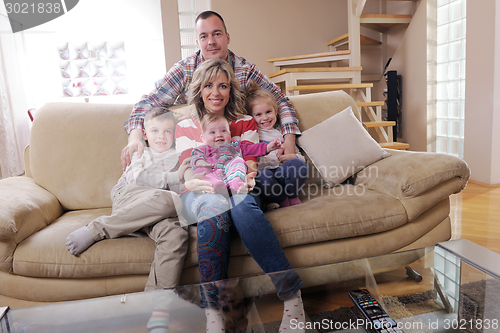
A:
[412,274]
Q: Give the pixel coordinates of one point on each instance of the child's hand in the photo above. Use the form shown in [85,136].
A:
[273,145]
[183,167]
[250,183]
[285,157]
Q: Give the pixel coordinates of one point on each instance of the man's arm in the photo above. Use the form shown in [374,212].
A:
[289,122]
[165,93]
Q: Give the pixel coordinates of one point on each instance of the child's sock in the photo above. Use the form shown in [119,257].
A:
[285,203]
[158,323]
[215,320]
[294,201]
[294,309]
[79,240]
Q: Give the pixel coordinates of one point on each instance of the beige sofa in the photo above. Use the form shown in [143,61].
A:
[73,161]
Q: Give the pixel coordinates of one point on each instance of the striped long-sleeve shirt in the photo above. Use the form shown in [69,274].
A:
[173,89]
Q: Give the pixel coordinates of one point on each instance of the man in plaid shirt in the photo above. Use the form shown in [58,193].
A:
[212,40]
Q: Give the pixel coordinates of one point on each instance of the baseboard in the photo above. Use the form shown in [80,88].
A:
[484,184]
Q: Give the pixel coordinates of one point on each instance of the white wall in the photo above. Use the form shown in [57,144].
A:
[495,150]
[410,62]
[262,29]
[481,102]
[137,23]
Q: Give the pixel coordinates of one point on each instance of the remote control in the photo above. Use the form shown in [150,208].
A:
[376,318]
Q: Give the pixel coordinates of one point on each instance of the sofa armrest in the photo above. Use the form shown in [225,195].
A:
[408,174]
[26,208]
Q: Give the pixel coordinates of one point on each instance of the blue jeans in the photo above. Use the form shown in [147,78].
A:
[285,181]
[216,215]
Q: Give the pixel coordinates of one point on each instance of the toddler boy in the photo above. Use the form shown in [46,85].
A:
[144,199]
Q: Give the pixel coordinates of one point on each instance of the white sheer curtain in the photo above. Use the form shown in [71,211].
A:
[14,101]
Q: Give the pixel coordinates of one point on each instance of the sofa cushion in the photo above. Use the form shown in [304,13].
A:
[340,147]
[75,151]
[44,254]
[326,214]
[312,109]
[341,212]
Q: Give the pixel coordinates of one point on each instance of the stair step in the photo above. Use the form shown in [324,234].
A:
[382,22]
[386,16]
[330,87]
[395,145]
[367,104]
[310,56]
[345,37]
[372,124]
[314,70]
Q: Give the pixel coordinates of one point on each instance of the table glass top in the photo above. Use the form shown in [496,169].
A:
[455,290]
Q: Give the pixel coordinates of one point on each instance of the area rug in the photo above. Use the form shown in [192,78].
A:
[345,319]
[479,306]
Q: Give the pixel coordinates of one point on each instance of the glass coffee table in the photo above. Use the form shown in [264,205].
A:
[451,287]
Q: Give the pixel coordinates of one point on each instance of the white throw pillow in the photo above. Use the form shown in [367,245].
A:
[339,147]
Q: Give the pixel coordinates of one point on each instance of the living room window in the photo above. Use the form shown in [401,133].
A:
[188,11]
[450,77]
[128,36]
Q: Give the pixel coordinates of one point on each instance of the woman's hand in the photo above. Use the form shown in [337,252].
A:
[204,164]
[197,185]
[249,183]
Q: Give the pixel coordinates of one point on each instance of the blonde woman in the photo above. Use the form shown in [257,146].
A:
[214,89]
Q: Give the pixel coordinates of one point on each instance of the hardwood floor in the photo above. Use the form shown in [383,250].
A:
[475,215]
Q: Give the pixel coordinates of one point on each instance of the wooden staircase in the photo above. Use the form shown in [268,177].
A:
[321,71]
[343,40]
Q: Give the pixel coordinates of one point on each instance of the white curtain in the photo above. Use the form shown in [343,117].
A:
[14,101]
